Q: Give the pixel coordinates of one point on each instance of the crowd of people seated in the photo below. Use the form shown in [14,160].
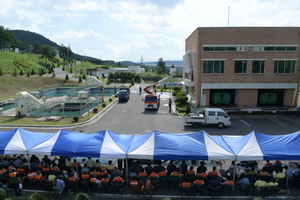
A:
[62,174]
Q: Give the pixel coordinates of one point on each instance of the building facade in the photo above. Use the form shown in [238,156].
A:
[245,68]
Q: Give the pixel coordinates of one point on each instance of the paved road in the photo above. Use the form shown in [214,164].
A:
[62,74]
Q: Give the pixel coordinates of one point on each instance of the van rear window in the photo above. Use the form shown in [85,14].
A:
[151,99]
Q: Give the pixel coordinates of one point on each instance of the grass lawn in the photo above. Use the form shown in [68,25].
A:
[10,86]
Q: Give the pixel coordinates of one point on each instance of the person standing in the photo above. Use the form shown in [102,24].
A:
[20,109]
[170,104]
[15,180]
[140,90]
[298,111]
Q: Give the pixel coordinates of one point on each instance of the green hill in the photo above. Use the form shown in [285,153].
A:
[28,38]
[9,61]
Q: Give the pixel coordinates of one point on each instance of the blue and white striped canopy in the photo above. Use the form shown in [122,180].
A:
[180,146]
[103,144]
[258,146]
[19,141]
[153,145]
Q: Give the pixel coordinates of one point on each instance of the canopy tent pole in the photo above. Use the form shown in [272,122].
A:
[234,174]
[287,178]
[126,171]
[29,164]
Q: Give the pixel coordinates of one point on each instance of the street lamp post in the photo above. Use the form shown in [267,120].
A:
[88,105]
[102,92]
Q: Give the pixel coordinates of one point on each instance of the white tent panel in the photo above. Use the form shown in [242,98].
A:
[16,145]
[46,147]
[146,150]
[251,150]
[110,149]
[216,152]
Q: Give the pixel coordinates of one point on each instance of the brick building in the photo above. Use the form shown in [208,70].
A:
[243,68]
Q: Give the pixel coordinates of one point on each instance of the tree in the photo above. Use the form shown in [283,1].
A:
[66,53]
[80,80]
[1,73]
[6,38]
[53,74]
[15,44]
[28,73]
[15,72]
[21,73]
[67,77]
[161,67]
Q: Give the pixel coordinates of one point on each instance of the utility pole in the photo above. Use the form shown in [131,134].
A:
[142,59]
[228,15]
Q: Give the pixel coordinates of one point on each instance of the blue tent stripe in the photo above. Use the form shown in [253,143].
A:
[5,138]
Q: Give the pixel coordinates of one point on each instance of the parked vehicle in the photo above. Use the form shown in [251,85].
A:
[123,95]
[151,101]
[209,116]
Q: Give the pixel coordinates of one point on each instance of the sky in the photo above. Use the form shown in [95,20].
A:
[136,30]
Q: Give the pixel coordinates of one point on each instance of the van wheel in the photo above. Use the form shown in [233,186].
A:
[220,125]
[195,125]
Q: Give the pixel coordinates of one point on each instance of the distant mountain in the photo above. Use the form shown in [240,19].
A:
[128,63]
[168,63]
[28,39]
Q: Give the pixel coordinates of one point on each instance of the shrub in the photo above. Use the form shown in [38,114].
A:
[3,194]
[75,118]
[36,196]
[15,72]
[180,93]
[104,105]
[82,196]
[67,77]
[110,100]
[176,89]
[181,99]
[95,110]
[20,63]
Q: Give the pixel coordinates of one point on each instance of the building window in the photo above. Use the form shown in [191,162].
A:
[275,48]
[258,66]
[213,66]
[223,48]
[240,66]
[284,66]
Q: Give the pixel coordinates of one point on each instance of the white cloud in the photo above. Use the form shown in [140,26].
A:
[123,30]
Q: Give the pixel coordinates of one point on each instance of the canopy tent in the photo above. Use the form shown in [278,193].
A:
[153,145]
[103,144]
[178,146]
[19,141]
[258,146]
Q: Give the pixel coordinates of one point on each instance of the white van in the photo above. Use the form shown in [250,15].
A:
[208,116]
